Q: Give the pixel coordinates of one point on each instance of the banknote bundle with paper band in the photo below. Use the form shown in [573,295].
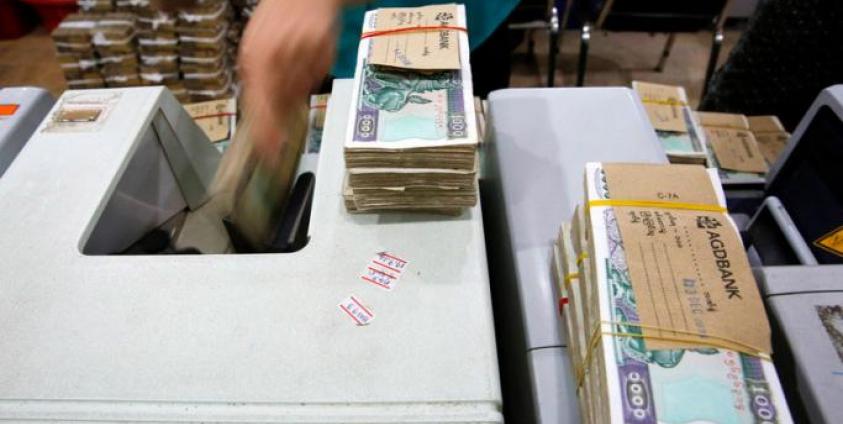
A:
[216,118]
[732,147]
[115,40]
[770,134]
[412,139]
[664,319]
[672,118]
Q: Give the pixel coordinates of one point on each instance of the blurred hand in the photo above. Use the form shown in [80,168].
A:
[287,49]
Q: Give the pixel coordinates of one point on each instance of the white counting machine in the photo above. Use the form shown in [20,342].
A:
[93,336]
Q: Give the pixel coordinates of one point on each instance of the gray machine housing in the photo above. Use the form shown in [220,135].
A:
[32,103]
[539,143]
[806,308]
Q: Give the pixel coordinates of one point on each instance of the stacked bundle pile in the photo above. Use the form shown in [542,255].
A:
[158,44]
[118,43]
[75,51]
[664,319]
[204,50]
[97,50]
[412,145]
[243,10]
[114,41]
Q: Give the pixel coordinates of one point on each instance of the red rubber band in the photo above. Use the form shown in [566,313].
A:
[371,34]
[215,115]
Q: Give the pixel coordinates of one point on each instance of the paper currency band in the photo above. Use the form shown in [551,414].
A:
[658,204]
[692,339]
[664,102]
[429,28]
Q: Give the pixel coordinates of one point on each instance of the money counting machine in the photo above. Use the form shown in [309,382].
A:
[94,336]
[21,110]
[539,142]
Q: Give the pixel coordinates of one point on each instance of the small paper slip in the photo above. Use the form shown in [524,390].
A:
[356,311]
[421,49]
[384,270]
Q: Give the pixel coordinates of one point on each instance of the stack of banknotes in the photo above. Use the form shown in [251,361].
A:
[669,113]
[621,377]
[412,139]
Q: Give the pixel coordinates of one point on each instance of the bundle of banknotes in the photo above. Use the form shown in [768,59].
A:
[669,113]
[663,318]
[770,134]
[732,147]
[412,139]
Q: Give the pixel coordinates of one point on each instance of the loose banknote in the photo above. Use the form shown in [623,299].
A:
[675,385]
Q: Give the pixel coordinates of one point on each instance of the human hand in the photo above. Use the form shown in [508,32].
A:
[287,49]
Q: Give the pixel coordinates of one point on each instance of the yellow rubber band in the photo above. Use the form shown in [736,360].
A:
[657,204]
[581,257]
[711,341]
[568,278]
[663,102]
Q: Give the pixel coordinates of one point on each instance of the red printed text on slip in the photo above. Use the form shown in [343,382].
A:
[384,270]
[354,309]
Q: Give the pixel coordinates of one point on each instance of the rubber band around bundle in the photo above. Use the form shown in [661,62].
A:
[702,207]
[581,257]
[214,115]
[663,102]
[428,28]
[567,279]
[711,341]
